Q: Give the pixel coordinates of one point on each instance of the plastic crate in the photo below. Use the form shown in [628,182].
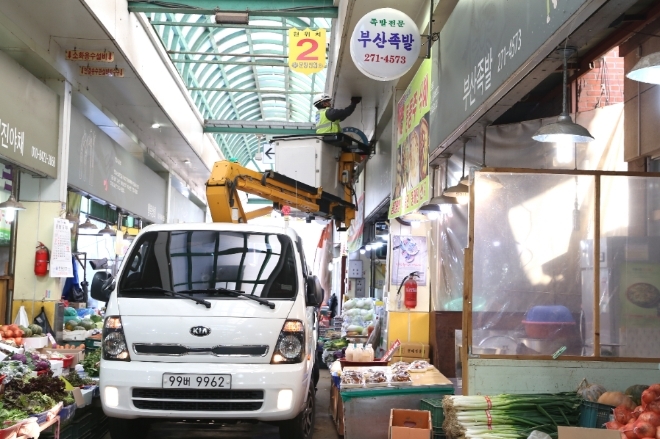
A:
[69,432]
[439,434]
[92,344]
[434,405]
[594,415]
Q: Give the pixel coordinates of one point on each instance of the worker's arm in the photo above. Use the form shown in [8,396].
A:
[334,114]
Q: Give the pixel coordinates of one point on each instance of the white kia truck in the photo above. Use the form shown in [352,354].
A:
[210,321]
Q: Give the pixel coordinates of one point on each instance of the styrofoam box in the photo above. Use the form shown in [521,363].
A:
[35,342]
[74,335]
[57,366]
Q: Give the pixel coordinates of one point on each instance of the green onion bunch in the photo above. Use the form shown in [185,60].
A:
[509,416]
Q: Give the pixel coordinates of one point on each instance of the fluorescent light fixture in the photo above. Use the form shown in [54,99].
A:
[367,247]
[232,17]
[111,396]
[285,399]
[155,126]
[362,251]
[647,69]
[564,130]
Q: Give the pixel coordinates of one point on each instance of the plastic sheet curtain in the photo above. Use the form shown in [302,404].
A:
[512,146]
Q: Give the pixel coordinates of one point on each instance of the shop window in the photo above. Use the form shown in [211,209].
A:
[539,261]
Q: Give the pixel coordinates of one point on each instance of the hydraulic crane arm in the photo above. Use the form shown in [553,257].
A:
[227,178]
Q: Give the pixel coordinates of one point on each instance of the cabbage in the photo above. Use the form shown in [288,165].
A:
[349,304]
[360,303]
[355,328]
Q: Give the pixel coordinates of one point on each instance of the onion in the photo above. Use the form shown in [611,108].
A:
[638,411]
[648,396]
[622,415]
[655,388]
[627,431]
[654,407]
[657,433]
[613,425]
[644,429]
[652,418]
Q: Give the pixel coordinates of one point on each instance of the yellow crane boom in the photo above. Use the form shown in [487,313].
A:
[227,178]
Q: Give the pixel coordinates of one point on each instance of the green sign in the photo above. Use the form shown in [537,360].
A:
[411,188]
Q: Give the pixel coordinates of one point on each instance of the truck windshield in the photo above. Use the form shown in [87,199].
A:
[259,264]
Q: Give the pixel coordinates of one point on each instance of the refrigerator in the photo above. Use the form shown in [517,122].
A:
[629,296]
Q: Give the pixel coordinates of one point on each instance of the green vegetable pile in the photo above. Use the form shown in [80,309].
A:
[76,381]
[34,403]
[13,370]
[9,416]
[335,345]
[509,416]
[91,363]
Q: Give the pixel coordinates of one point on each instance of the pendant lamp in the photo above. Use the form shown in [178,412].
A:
[459,190]
[434,203]
[10,207]
[647,69]
[87,225]
[107,230]
[564,130]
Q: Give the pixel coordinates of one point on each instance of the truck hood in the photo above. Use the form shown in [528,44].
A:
[239,330]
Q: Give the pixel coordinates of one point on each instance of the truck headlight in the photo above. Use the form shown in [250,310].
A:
[290,346]
[114,343]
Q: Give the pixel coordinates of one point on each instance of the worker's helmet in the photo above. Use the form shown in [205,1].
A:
[320,99]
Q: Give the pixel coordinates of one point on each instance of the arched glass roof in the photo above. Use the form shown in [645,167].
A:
[241,73]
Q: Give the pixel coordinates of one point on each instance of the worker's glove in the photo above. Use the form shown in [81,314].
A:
[356,100]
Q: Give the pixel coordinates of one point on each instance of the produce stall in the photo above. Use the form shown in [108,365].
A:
[365,395]
[47,390]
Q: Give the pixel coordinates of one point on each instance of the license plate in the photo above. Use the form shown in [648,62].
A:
[194,381]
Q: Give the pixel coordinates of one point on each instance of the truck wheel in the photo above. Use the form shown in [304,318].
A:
[128,428]
[302,426]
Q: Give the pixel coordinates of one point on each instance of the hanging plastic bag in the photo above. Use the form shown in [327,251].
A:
[22,318]
[538,435]
[42,320]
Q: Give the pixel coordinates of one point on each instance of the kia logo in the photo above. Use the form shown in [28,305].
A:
[200,331]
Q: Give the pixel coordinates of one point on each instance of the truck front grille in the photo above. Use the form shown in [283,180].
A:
[188,400]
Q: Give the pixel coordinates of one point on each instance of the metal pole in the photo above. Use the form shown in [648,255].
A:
[15,189]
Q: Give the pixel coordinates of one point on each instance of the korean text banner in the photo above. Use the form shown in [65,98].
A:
[411,187]
[102,168]
[482,45]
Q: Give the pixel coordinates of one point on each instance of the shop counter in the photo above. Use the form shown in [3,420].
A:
[366,411]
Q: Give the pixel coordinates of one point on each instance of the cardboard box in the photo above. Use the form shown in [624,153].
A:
[413,350]
[587,433]
[410,424]
[396,359]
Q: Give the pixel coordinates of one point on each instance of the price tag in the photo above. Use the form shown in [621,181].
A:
[307,50]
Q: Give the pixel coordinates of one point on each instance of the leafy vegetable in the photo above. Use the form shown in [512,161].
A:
[35,402]
[91,363]
[9,417]
[13,370]
[45,384]
[76,381]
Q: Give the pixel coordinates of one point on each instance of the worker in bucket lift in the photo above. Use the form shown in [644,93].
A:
[328,118]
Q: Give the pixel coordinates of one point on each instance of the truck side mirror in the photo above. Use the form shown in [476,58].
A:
[314,296]
[102,286]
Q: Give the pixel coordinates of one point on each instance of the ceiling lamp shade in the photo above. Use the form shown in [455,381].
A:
[564,130]
[11,204]
[107,231]
[87,225]
[460,189]
[647,69]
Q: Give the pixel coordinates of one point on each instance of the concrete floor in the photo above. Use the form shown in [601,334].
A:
[324,427]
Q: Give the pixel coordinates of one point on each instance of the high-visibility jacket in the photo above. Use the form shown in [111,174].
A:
[325,125]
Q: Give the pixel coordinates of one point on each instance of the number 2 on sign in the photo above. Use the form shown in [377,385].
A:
[304,56]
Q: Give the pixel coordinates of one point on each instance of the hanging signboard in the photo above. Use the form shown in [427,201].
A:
[101,71]
[29,113]
[100,167]
[482,45]
[307,50]
[61,264]
[411,187]
[385,44]
[90,55]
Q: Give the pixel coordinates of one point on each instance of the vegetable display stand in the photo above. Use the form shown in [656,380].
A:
[366,411]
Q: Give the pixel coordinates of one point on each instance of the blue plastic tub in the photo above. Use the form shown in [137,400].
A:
[549,314]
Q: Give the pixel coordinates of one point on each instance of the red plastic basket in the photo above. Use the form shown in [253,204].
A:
[345,363]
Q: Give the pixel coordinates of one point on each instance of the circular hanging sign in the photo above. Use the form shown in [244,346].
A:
[356,134]
[385,44]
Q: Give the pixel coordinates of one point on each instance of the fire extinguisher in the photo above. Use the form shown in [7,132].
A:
[410,291]
[41,258]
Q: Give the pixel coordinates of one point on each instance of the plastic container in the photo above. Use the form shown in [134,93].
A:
[548,321]
[434,405]
[594,415]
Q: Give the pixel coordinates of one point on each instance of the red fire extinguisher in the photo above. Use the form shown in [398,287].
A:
[41,258]
[410,290]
